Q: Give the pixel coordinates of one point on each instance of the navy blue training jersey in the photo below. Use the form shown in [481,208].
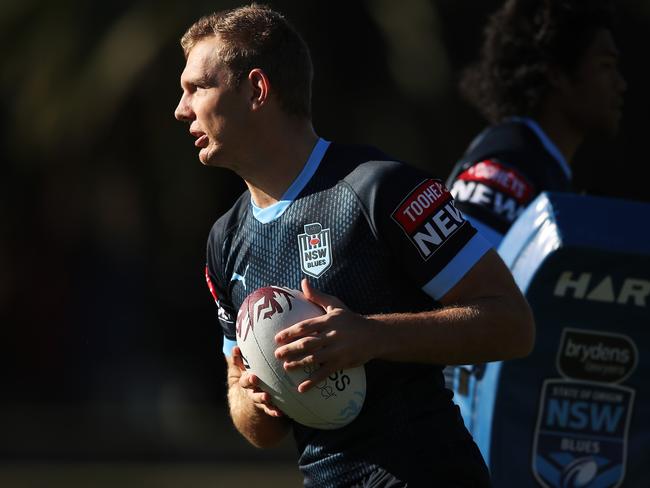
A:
[502,171]
[383,237]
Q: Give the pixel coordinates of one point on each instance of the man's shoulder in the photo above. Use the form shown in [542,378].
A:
[507,139]
[510,147]
[366,166]
[346,159]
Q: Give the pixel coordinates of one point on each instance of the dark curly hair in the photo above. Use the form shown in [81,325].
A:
[521,41]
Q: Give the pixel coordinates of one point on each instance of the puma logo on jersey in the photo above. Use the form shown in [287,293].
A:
[428,217]
[242,278]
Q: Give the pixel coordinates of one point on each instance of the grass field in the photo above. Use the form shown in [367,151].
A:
[194,446]
[148,475]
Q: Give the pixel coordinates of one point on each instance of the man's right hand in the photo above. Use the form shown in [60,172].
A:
[251,384]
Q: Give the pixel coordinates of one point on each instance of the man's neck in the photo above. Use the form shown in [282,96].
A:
[278,162]
[563,134]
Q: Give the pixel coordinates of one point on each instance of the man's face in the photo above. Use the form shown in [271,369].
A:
[215,110]
[594,94]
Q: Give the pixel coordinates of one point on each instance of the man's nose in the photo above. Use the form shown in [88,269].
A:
[183,111]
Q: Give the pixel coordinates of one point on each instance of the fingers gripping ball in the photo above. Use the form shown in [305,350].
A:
[331,404]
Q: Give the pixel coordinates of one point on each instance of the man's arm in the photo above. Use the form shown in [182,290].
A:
[484,318]
[251,410]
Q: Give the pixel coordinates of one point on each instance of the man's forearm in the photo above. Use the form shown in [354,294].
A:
[487,330]
[484,318]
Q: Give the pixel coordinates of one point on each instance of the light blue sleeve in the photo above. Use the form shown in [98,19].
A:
[228,346]
[454,271]
[486,231]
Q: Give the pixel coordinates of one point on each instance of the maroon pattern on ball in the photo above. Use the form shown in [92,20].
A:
[266,310]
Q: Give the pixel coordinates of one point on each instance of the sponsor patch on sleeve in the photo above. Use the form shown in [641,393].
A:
[502,178]
[221,311]
[210,286]
[428,217]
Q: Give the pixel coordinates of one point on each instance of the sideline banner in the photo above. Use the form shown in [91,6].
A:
[576,412]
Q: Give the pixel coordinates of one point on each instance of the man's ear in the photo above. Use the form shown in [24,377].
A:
[260,88]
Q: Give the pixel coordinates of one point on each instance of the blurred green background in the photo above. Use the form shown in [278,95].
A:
[111,351]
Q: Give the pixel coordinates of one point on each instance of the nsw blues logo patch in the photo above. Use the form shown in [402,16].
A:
[315,250]
[581,434]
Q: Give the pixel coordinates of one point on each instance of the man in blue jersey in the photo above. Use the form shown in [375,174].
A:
[547,78]
[407,285]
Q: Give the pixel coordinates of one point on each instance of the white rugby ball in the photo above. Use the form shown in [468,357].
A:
[331,404]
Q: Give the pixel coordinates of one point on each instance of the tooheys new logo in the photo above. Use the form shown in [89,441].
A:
[428,216]
[491,184]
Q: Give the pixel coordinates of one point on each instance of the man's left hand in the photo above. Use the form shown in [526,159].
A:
[338,339]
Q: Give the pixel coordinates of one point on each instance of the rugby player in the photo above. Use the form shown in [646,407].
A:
[406,282]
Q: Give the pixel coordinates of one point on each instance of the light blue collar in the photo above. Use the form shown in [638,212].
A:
[272,212]
[548,144]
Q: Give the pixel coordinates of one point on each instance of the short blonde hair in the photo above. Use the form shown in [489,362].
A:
[255,36]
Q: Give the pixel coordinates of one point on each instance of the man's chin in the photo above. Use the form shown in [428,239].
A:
[607,128]
[206,158]
[210,159]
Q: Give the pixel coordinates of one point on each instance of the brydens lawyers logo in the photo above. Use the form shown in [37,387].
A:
[596,356]
[428,217]
[315,250]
